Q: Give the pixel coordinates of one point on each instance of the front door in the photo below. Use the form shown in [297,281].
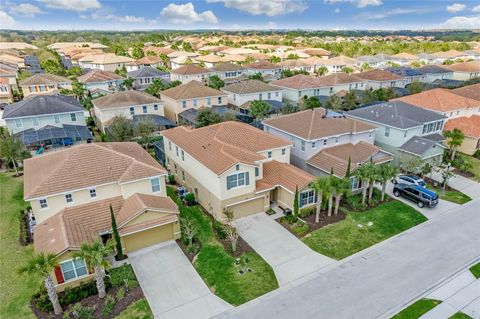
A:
[273,196]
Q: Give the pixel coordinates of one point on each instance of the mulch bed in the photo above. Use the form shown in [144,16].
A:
[133,294]
[439,184]
[312,226]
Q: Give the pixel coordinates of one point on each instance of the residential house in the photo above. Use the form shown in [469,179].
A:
[436,72]
[6,95]
[465,71]
[228,72]
[298,86]
[404,58]
[407,131]
[189,72]
[106,62]
[380,60]
[132,104]
[444,102]
[297,65]
[318,52]
[101,82]
[146,75]
[267,70]
[470,127]
[181,58]
[470,91]
[442,56]
[473,54]
[340,82]
[410,74]
[44,83]
[59,45]
[339,63]
[146,61]
[192,94]
[47,120]
[426,58]
[209,61]
[10,74]
[250,90]
[378,79]
[232,165]
[72,191]
[13,60]
[326,141]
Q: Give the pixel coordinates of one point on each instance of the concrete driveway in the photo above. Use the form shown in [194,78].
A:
[289,257]
[172,286]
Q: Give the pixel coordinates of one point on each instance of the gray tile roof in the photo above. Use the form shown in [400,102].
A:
[433,69]
[146,72]
[396,114]
[417,145]
[42,105]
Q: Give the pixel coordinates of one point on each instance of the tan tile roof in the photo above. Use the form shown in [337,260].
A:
[339,60]
[148,59]
[191,90]
[379,75]
[315,126]
[110,59]
[294,63]
[470,126]
[405,56]
[95,76]
[220,146]
[336,157]
[450,54]
[339,78]
[249,86]
[176,54]
[440,100]
[226,66]
[259,56]
[158,50]
[470,91]
[262,65]
[472,66]
[234,58]
[44,78]
[189,69]
[284,175]
[75,225]
[87,165]
[209,58]
[299,82]
[317,52]
[124,98]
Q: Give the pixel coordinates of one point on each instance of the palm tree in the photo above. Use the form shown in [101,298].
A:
[363,174]
[328,192]
[455,139]
[44,264]
[12,149]
[320,185]
[372,178]
[128,83]
[94,255]
[385,173]
[341,186]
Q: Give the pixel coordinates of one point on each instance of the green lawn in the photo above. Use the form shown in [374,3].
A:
[476,166]
[16,291]
[460,315]
[217,268]
[417,309]
[451,196]
[346,237]
[475,269]
[137,310]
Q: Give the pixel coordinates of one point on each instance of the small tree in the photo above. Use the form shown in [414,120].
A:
[365,67]
[115,234]
[215,82]
[207,117]
[321,71]
[349,167]
[446,173]
[275,59]
[189,229]
[311,102]
[385,173]
[415,87]
[347,70]
[334,103]
[12,149]
[127,83]
[259,109]
[426,169]
[363,174]
[340,186]
[350,100]
[145,129]
[120,129]
[455,139]
[295,203]
[137,52]
[230,230]
[256,76]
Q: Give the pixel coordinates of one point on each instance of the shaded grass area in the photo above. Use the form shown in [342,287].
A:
[476,166]
[218,268]
[377,224]
[417,309]
[137,310]
[16,291]
[475,270]
[460,315]
[456,197]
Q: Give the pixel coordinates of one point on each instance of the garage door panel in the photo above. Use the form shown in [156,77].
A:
[248,208]
[148,237]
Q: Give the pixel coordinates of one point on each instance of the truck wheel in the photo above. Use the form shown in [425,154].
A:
[396,193]
[420,204]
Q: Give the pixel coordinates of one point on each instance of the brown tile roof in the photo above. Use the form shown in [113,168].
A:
[315,126]
[158,50]
[189,69]
[284,175]
[226,66]
[470,91]
[95,76]
[44,78]
[220,146]
[379,75]
[317,52]
[336,157]
[124,98]
[473,66]
[161,220]
[209,58]
[470,126]
[299,82]
[439,100]
[191,90]
[87,165]
[450,54]
[249,86]
[294,63]
[74,225]
[339,78]
[262,65]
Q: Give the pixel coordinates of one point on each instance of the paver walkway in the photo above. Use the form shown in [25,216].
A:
[289,257]
[173,288]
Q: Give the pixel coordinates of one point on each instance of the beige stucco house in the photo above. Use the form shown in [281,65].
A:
[232,165]
[71,192]
[189,72]
[44,83]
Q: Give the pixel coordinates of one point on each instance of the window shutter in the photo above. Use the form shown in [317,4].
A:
[59,275]
[247,180]
[229,185]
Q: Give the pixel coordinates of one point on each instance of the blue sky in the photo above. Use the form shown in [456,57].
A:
[238,14]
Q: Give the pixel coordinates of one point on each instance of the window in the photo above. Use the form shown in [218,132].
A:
[73,117]
[209,101]
[184,104]
[155,184]
[183,155]
[155,107]
[219,100]
[93,193]
[144,109]
[18,123]
[387,131]
[269,96]
[56,118]
[299,93]
[176,150]
[195,103]
[72,269]
[43,203]
[132,111]
[183,176]
[237,167]
[302,146]
[336,139]
[35,121]
[276,93]
[307,197]
[314,144]
[257,171]
[284,151]
[68,198]
[405,134]
[425,127]
[260,96]
[237,180]
[269,154]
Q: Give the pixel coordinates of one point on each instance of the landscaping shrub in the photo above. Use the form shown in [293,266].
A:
[307,211]
[355,202]
[171,179]
[108,305]
[299,228]
[290,219]
[42,302]
[23,236]
[477,154]
[189,199]
[76,294]
[120,293]
[77,311]
[219,229]
[119,275]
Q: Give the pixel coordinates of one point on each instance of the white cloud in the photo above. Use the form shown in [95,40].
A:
[101,15]
[6,21]
[271,25]
[358,3]
[462,23]
[72,5]
[476,9]
[337,10]
[25,9]
[186,14]
[456,7]
[270,8]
